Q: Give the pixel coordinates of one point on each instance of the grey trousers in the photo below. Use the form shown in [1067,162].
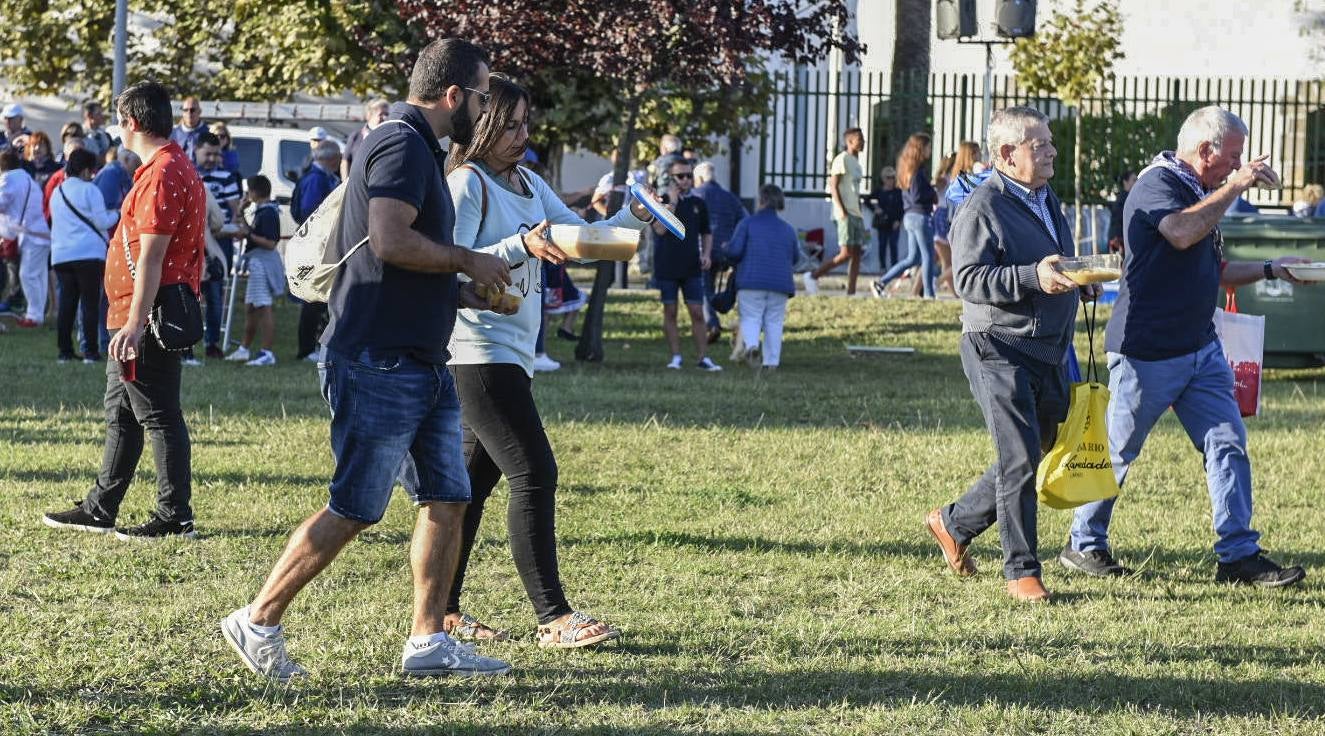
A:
[1023,401]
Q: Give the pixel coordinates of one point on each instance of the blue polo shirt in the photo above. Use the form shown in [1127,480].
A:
[1166,301]
[375,306]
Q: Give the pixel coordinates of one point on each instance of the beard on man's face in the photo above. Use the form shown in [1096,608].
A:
[462,125]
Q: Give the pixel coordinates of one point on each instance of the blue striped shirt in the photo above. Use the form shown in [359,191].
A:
[1036,199]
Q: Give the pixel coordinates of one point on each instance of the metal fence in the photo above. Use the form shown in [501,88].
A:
[1132,119]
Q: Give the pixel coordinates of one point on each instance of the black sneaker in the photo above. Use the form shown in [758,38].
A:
[78,520]
[566,334]
[1260,571]
[157,528]
[1096,562]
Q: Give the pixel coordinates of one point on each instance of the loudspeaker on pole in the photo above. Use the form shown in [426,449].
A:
[1015,18]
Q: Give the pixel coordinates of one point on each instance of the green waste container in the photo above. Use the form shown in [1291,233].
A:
[1294,313]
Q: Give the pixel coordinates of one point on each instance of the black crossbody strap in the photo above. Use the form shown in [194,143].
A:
[80,215]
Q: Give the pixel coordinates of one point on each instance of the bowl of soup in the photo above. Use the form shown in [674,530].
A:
[1095,269]
[595,242]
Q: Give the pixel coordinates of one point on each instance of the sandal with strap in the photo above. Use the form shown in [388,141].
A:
[567,635]
[470,629]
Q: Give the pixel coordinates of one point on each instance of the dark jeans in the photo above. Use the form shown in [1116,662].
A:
[80,290]
[1023,401]
[150,403]
[710,288]
[212,290]
[503,435]
[887,247]
[312,320]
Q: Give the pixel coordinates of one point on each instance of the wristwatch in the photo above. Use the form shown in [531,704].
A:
[1269,270]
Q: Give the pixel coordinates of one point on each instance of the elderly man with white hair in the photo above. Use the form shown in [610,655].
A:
[1018,314]
[1162,347]
[725,213]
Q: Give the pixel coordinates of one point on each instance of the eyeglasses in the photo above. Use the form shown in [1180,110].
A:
[484,98]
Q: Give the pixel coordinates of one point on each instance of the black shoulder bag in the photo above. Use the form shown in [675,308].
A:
[176,317]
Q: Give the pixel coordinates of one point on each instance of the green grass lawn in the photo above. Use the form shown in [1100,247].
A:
[758,541]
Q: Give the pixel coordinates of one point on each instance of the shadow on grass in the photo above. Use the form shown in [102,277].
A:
[740,687]
[94,433]
[759,545]
[146,476]
[1158,571]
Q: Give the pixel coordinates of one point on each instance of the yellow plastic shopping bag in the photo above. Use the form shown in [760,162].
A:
[1078,469]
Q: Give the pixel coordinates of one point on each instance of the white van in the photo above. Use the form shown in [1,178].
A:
[278,154]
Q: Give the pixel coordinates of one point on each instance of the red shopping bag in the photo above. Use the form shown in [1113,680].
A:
[1243,338]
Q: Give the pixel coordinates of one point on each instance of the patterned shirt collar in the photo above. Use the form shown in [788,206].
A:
[1038,196]
[1036,199]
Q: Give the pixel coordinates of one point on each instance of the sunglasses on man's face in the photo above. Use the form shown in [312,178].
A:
[484,98]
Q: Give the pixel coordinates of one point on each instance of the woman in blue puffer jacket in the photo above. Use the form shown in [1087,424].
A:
[765,249]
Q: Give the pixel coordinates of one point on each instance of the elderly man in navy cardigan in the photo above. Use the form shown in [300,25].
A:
[1018,314]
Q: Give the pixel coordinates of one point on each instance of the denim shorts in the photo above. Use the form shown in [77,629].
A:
[384,407]
[692,289]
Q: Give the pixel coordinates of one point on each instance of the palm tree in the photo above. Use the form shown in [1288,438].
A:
[910,70]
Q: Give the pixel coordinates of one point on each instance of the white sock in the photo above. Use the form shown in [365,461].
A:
[426,639]
[267,631]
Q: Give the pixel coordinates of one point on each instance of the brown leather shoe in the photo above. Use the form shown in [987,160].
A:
[1029,589]
[954,554]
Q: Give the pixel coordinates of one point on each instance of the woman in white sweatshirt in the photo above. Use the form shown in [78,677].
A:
[80,235]
[500,205]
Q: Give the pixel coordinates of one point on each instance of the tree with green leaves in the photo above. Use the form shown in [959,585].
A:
[1071,57]
[259,50]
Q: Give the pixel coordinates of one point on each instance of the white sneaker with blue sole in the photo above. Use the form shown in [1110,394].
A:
[265,655]
[443,655]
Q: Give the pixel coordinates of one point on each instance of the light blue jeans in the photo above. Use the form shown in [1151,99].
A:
[1199,387]
[918,234]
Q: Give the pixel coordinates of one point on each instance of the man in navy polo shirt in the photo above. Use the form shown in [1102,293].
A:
[384,373]
[1162,347]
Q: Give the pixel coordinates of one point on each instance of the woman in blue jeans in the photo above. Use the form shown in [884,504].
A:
[917,205]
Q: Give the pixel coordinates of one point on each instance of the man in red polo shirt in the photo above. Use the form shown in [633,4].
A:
[161,230]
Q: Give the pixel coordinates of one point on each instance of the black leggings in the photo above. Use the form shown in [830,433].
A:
[80,286]
[503,435]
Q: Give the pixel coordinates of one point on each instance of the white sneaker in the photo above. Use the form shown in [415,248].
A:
[240,355]
[544,364]
[446,656]
[707,364]
[265,357]
[811,284]
[265,655]
[880,291]
[675,363]
[752,357]
[191,361]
